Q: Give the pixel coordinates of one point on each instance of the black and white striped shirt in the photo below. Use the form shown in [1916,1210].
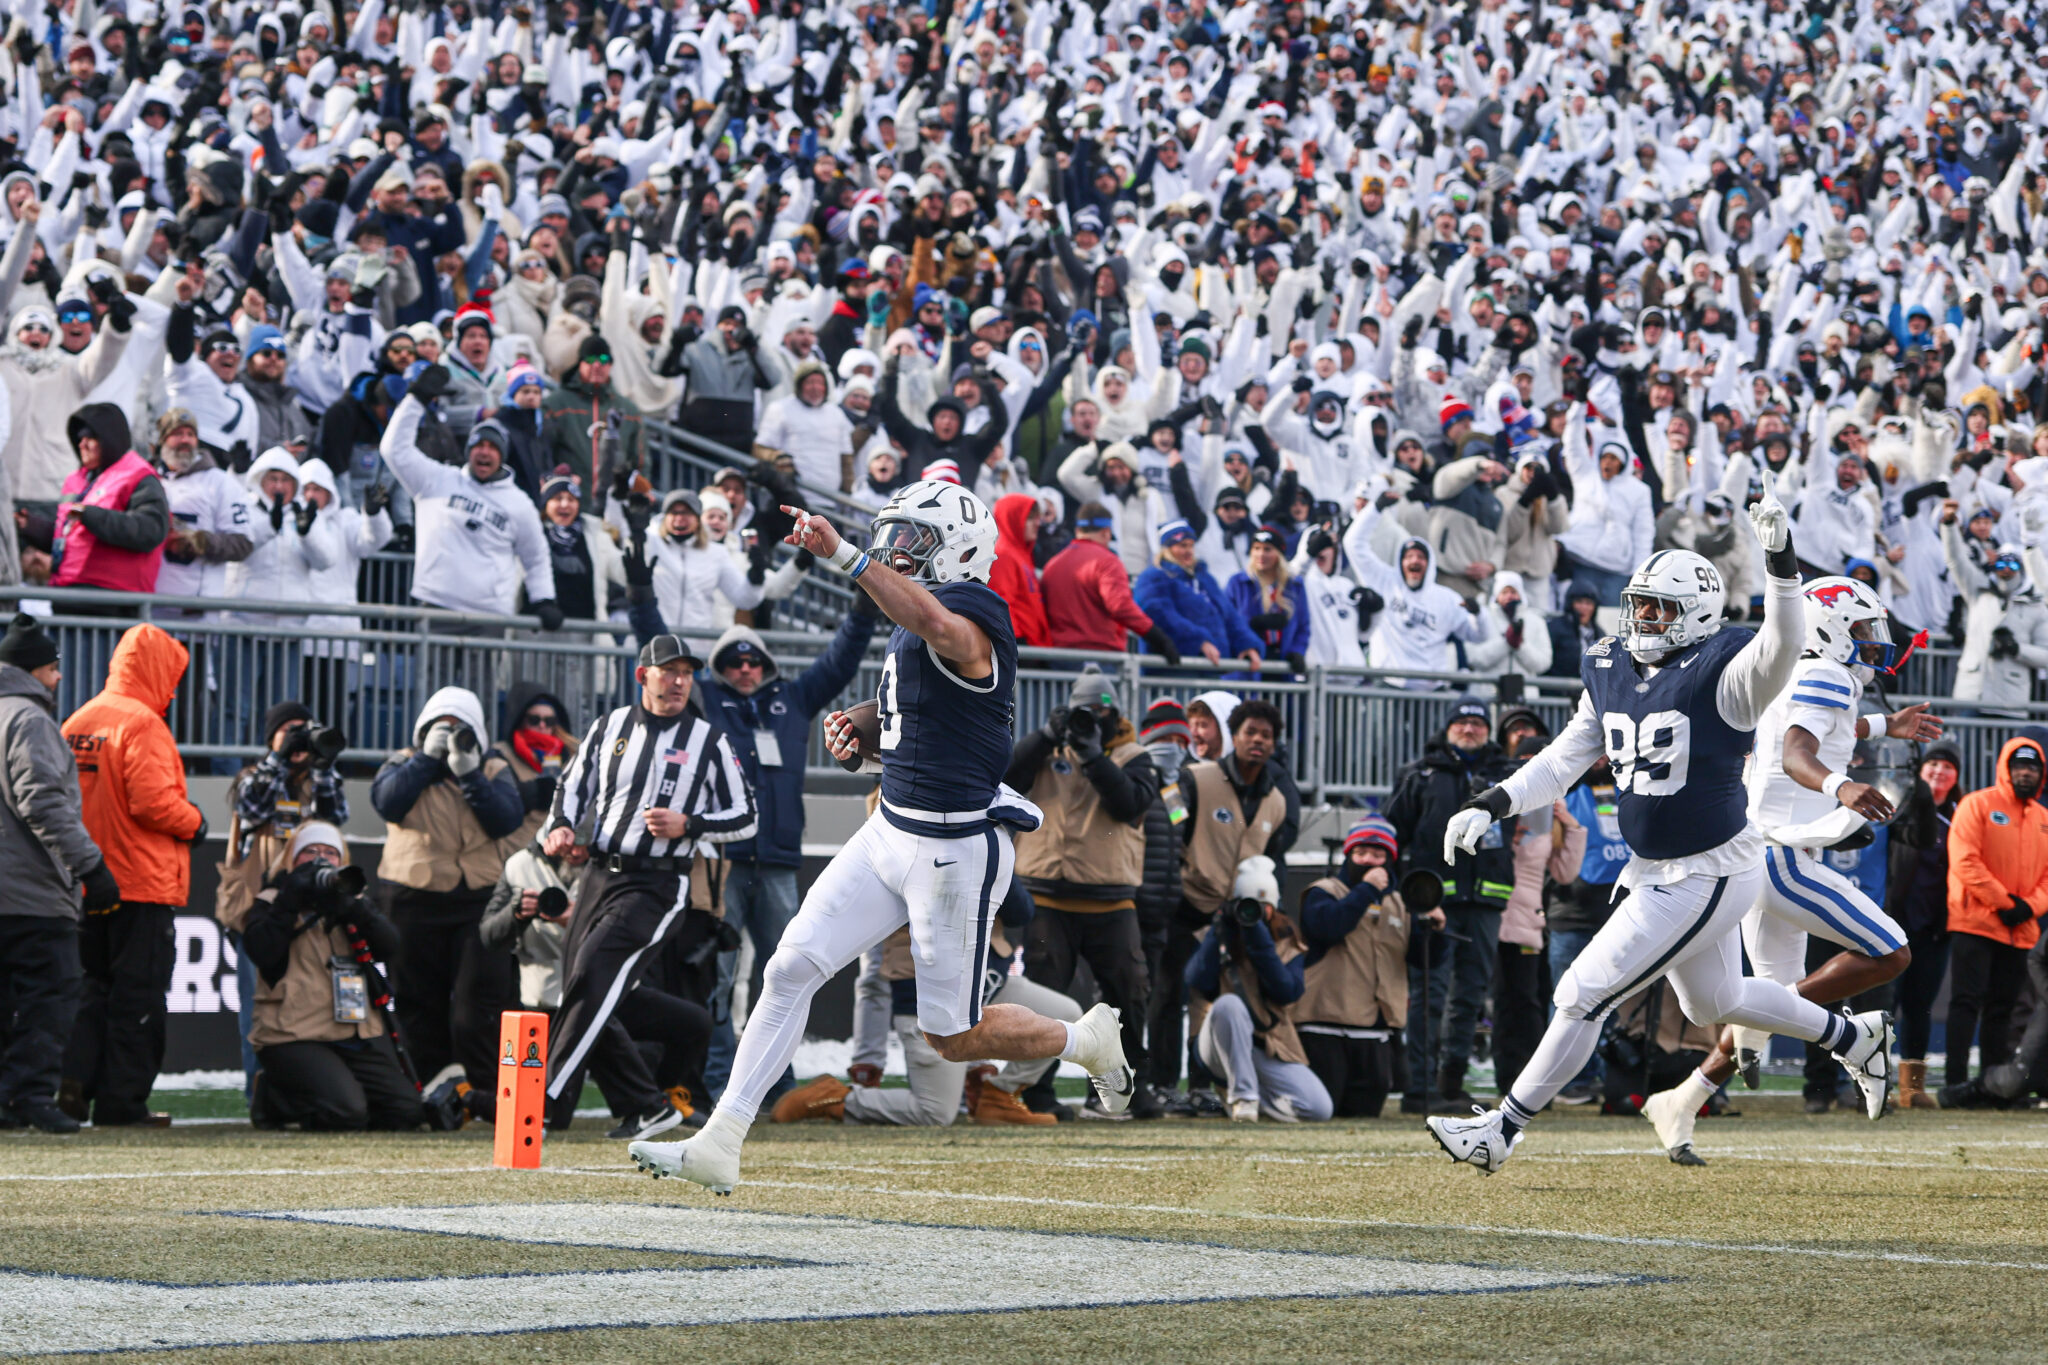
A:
[632,761]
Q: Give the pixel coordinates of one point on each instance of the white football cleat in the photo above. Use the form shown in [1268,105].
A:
[1244,1111]
[703,1159]
[1751,1046]
[1868,1059]
[1673,1118]
[1479,1141]
[1101,1055]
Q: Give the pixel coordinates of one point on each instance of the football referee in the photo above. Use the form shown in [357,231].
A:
[655,785]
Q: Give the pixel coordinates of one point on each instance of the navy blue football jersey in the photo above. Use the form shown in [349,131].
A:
[1677,764]
[946,741]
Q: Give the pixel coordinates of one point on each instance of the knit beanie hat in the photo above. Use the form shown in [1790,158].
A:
[1454,411]
[1165,719]
[1373,829]
[27,645]
[1092,689]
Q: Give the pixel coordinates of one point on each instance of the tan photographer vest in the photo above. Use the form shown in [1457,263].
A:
[1363,981]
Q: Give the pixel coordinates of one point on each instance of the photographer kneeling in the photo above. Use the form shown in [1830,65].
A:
[327,1060]
[1251,965]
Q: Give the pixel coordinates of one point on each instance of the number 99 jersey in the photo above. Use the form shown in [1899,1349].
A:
[1677,764]
[945,740]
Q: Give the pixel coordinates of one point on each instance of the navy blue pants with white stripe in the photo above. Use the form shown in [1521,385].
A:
[620,918]
[1687,931]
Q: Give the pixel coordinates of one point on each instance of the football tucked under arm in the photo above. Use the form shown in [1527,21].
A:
[854,737]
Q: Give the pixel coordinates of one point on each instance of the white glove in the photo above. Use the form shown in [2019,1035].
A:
[465,752]
[491,200]
[1463,833]
[1772,523]
[370,271]
[440,737]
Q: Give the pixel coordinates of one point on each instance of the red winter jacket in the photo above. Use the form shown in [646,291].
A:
[1015,577]
[1088,603]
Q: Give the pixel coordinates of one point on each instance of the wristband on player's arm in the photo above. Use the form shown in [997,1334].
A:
[1831,785]
[1494,801]
[1782,563]
[849,559]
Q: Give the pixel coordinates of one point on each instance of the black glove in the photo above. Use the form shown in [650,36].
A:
[1296,663]
[1269,621]
[539,793]
[1360,267]
[1303,383]
[102,892]
[120,311]
[1162,645]
[550,614]
[2004,644]
[277,515]
[639,569]
[1411,330]
[1319,540]
[1084,735]
[1368,602]
[198,835]
[303,514]
[1055,728]
[433,382]
[2016,914]
[377,498]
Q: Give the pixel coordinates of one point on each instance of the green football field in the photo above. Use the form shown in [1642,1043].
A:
[1923,1237]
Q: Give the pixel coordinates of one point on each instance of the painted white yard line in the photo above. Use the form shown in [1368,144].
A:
[1482,1229]
[804,1268]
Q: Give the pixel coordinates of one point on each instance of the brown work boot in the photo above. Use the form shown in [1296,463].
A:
[1912,1092]
[866,1075]
[679,1096]
[824,1098]
[997,1105]
[971,1088]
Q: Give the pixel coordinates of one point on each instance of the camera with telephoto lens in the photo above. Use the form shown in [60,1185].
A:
[1422,891]
[340,881]
[463,740]
[1081,724]
[324,742]
[1247,911]
[554,903]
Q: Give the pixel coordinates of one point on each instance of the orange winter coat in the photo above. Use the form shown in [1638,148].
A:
[1997,849]
[129,773]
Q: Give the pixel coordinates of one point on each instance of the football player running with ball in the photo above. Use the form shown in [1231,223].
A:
[1801,797]
[1674,705]
[936,854]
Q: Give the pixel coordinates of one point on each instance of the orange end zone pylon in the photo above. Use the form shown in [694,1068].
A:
[522,1089]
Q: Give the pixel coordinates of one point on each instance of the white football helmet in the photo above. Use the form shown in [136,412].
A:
[935,532]
[1685,596]
[1848,623]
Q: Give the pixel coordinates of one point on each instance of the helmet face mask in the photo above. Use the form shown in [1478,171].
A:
[1672,602]
[1846,621]
[942,531]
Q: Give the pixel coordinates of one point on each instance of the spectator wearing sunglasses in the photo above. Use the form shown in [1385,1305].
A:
[47,382]
[205,381]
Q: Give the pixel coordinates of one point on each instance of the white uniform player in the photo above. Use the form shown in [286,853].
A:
[936,854]
[1675,715]
[1802,799]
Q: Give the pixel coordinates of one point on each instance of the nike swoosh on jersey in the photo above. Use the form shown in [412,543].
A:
[1689,661]
[947,863]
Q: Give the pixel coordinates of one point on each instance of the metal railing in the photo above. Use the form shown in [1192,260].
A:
[370,668]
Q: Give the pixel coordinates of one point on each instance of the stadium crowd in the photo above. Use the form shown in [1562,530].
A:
[1274,335]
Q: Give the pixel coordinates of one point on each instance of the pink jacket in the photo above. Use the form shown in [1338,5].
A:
[1554,853]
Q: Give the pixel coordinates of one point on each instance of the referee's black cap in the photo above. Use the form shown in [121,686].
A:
[667,649]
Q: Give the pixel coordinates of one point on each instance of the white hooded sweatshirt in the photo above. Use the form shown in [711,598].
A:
[1417,623]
